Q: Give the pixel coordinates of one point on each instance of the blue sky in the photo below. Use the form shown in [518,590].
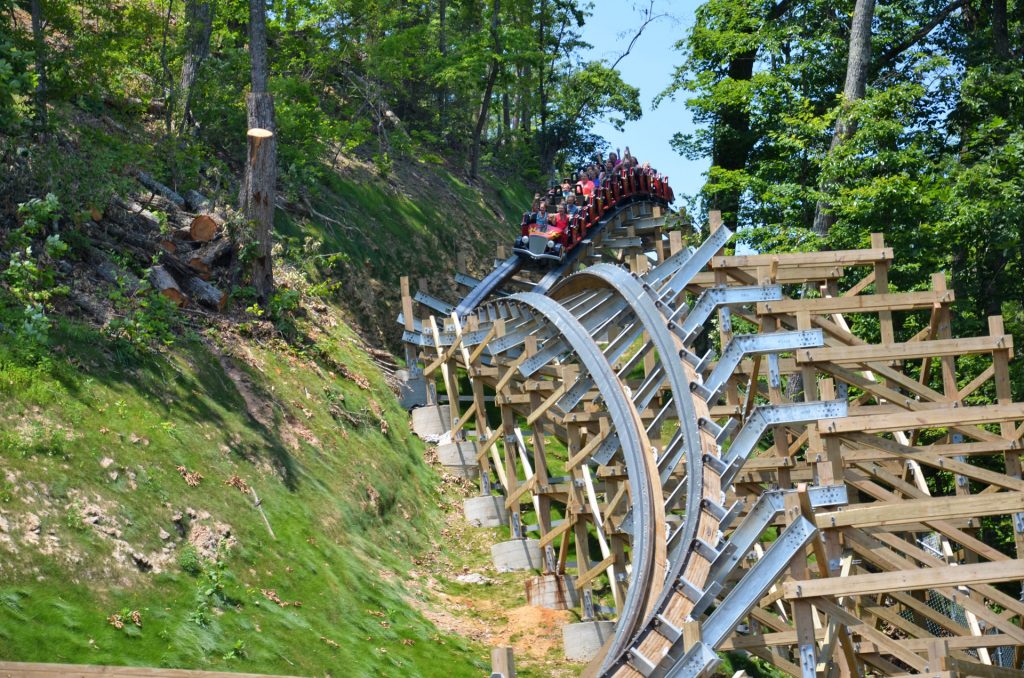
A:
[649,67]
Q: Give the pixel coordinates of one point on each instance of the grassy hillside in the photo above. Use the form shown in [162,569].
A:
[369,230]
[98,523]
[132,450]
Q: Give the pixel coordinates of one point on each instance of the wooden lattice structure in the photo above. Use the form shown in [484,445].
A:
[720,453]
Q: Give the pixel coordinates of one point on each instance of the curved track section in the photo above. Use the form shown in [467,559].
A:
[713,465]
[648,554]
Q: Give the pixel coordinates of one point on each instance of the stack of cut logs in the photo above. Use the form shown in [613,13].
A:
[188,255]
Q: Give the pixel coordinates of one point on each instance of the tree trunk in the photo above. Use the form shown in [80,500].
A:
[260,71]
[160,189]
[1000,32]
[733,142]
[258,206]
[506,115]
[257,194]
[485,106]
[197,202]
[39,43]
[199,27]
[857,66]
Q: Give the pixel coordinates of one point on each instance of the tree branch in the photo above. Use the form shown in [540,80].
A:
[649,18]
[890,55]
[779,9]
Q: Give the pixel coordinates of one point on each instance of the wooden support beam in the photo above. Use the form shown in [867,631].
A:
[963,667]
[586,577]
[873,303]
[919,349]
[922,510]
[835,258]
[905,580]
[939,418]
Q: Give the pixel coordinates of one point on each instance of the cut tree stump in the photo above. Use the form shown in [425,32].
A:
[257,194]
[164,282]
[204,259]
[204,228]
[205,293]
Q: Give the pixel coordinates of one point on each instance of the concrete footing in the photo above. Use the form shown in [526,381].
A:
[553,591]
[584,640]
[412,389]
[485,511]
[518,554]
[459,459]
[432,420]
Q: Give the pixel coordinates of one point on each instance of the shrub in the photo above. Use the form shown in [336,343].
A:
[189,560]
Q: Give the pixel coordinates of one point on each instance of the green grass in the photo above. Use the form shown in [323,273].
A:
[92,429]
[349,506]
[373,230]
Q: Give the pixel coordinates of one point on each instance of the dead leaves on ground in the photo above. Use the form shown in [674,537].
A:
[192,478]
[271,595]
[238,484]
[119,619]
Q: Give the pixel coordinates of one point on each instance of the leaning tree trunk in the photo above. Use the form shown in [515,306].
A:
[39,43]
[199,27]
[257,194]
[856,80]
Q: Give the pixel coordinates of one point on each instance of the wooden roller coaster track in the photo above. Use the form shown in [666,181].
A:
[769,453]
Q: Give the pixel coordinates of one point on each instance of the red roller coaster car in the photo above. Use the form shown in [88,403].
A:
[547,242]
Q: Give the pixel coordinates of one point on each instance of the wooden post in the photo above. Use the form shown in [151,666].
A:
[799,570]
[503,662]
[675,242]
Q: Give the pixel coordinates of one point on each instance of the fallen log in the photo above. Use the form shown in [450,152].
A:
[133,214]
[109,271]
[91,306]
[118,238]
[205,293]
[160,189]
[115,275]
[204,258]
[204,227]
[196,202]
[165,283]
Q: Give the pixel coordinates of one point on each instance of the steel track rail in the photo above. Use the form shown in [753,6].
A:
[647,553]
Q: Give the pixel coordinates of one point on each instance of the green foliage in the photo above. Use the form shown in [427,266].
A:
[188,560]
[16,81]
[31,274]
[148,319]
[930,159]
